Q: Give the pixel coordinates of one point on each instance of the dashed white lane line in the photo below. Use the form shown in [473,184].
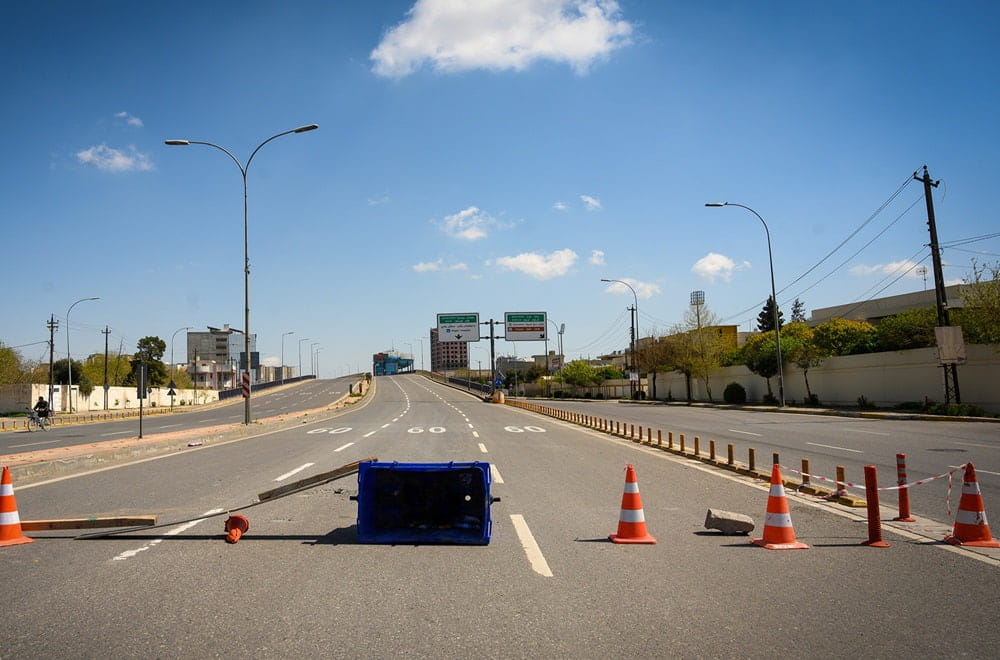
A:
[531,549]
[128,554]
[495,473]
[169,426]
[744,432]
[104,435]
[475,434]
[32,444]
[385,426]
[848,430]
[471,426]
[369,434]
[295,471]
[343,447]
[816,444]
[482,448]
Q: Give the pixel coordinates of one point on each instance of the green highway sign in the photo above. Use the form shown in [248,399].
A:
[458,327]
[525,326]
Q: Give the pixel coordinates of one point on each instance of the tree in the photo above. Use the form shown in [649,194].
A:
[798,346]
[798,311]
[765,320]
[913,328]
[579,373]
[119,369]
[149,351]
[60,371]
[13,368]
[760,356]
[843,337]
[981,294]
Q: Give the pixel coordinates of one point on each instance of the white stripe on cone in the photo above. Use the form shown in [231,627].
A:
[970,517]
[10,518]
[632,516]
[777,520]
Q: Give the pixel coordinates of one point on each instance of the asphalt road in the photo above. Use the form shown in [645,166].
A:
[932,448]
[548,585]
[305,395]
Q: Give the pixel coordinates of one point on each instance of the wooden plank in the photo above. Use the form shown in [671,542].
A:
[315,480]
[93,522]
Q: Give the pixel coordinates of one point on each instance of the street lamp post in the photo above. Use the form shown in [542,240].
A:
[317,360]
[290,332]
[246,252]
[312,357]
[633,317]
[421,352]
[69,358]
[774,297]
[172,363]
[300,354]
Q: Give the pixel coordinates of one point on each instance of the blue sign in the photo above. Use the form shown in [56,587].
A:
[499,382]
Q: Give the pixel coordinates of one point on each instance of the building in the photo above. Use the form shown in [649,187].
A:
[448,355]
[877,309]
[392,362]
[223,348]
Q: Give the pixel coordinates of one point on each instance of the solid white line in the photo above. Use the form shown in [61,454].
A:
[369,434]
[531,549]
[295,471]
[868,432]
[32,444]
[482,448]
[978,471]
[343,447]
[496,474]
[744,432]
[117,433]
[969,444]
[128,554]
[816,444]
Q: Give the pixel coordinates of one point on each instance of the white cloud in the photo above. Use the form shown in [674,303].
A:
[592,203]
[378,201]
[500,35]
[438,266]
[108,159]
[129,119]
[596,257]
[714,265]
[560,206]
[906,268]
[470,224]
[540,266]
[644,290]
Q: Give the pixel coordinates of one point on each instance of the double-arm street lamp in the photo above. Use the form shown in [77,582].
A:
[300,354]
[774,297]
[633,317]
[69,358]
[312,357]
[172,362]
[290,332]
[246,253]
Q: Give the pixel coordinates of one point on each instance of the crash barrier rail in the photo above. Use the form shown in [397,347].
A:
[238,391]
[645,436]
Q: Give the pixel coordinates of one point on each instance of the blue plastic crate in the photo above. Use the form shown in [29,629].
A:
[440,503]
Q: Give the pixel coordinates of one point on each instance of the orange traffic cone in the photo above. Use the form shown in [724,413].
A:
[778,532]
[236,526]
[632,521]
[971,527]
[10,522]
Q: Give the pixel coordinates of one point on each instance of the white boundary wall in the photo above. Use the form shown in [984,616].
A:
[15,398]
[884,379]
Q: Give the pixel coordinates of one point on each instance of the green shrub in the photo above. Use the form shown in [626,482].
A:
[734,393]
[863,402]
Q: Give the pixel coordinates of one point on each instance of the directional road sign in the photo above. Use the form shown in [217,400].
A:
[525,326]
[458,327]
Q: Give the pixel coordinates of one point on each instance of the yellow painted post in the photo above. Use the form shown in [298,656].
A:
[711,449]
[805,471]
[774,459]
[649,436]
[697,446]
[682,443]
[752,458]
[659,438]
[670,439]
[730,458]
[841,481]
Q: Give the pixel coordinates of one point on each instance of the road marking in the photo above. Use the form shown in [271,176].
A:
[978,471]
[496,474]
[295,471]
[816,444]
[385,426]
[32,444]
[396,419]
[482,448]
[169,426]
[475,434]
[369,434]
[969,444]
[471,426]
[744,432]
[531,549]
[343,447]
[128,554]
[868,432]
[116,433]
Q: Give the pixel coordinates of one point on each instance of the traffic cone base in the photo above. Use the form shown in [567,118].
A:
[632,520]
[10,522]
[236,527]
[778,531]
[971,527]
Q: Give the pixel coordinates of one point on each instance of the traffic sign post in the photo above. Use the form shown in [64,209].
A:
[458,327]
[525,326]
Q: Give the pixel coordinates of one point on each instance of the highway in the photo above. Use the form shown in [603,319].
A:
[307,395]
[932,448]
[549,584]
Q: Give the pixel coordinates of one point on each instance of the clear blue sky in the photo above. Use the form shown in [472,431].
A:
[498,159]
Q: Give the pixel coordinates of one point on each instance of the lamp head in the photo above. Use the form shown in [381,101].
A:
[716,203]
[177,143]
[303,129]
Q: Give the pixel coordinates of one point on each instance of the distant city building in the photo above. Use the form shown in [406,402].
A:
[221,347]
[448,355]
[391,362]
[508,365]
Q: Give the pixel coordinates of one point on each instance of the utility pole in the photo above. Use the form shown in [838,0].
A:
[950,370]
[52,324]
[632,319]
[106,331]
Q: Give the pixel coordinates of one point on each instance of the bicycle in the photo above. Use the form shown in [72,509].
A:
[35,420]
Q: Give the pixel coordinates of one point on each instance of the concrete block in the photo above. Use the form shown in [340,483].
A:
[728,522]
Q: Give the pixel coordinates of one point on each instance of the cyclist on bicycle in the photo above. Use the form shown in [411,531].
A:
[42,408]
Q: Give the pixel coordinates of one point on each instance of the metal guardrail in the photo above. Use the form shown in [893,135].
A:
[229,394]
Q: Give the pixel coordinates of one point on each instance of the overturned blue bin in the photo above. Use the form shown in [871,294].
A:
[424,503]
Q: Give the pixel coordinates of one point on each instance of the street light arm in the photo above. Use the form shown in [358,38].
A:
[300,129]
